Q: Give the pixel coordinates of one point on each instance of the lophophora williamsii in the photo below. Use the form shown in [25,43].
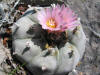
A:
[50,41]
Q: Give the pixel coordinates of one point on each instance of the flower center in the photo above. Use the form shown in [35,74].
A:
[51,23]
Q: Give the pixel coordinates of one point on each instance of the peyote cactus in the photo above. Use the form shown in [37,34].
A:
[49,44]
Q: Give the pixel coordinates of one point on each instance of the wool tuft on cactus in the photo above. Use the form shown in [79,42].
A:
[51,40]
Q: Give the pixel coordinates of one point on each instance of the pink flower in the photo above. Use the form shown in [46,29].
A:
[58,18]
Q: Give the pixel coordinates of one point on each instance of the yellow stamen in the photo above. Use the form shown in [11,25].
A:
[51,23]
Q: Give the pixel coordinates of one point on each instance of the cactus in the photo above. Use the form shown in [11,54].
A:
[46,61]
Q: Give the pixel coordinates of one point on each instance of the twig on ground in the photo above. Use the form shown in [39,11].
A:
[93,31]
